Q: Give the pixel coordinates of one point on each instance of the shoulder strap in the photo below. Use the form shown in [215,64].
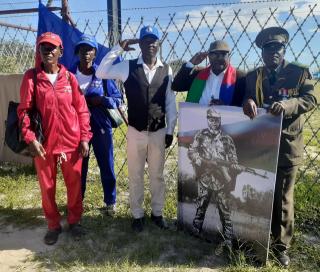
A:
[34,86]
[105,87]
[68,76]
[259,89]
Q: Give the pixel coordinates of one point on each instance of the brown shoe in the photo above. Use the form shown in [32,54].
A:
[52,236]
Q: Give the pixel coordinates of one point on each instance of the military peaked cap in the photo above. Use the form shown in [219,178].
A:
[272,35]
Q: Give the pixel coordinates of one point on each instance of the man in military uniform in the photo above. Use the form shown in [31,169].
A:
[282,88]
[208,153]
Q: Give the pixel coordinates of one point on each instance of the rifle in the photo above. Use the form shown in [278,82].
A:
[241,167]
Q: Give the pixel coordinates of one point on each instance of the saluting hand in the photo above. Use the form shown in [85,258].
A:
[250,108]
[125,44]
[198,58]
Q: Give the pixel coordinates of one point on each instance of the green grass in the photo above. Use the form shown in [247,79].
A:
[110,244]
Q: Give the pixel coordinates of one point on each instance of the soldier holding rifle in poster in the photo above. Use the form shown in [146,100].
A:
[283,88]
[216,180]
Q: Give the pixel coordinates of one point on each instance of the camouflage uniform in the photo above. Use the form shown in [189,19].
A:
[214,180]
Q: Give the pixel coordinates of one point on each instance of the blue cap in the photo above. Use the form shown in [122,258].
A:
[149,31]
[86,39]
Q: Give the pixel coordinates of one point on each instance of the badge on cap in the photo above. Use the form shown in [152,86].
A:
[272,35]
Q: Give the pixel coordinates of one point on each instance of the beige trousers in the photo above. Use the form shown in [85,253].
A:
[142,145]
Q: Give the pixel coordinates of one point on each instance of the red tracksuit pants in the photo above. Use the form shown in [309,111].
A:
[47,173]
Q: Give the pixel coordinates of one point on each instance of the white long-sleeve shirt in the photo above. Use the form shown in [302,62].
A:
[120,71]
[212,87]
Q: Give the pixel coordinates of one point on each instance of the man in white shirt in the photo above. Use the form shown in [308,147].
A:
[152,117]
[217,84]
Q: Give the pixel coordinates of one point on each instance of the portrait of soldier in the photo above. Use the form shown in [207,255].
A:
[214,159]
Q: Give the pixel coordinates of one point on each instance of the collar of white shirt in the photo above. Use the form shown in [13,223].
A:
[158,63]
[221,74]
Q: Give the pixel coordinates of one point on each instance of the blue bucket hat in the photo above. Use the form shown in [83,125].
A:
[86,39]
[149,31]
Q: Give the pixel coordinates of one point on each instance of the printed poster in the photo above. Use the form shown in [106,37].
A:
[227,171]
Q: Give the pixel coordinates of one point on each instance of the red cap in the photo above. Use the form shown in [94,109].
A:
[50,37]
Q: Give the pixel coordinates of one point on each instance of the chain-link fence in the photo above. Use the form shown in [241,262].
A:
[184,34]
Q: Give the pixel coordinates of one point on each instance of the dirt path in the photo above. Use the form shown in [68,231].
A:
[19,246]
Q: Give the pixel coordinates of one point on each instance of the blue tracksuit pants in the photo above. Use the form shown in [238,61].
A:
[103,150]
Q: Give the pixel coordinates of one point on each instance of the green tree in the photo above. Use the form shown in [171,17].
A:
[16,57]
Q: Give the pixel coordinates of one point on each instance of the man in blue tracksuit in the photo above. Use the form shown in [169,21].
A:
[99,94]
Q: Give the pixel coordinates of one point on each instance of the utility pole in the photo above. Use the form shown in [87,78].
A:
[65,12]
[114,21]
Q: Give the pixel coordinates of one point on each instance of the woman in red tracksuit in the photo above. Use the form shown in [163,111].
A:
[65,123]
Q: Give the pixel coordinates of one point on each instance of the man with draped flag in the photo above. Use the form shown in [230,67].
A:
[218,84]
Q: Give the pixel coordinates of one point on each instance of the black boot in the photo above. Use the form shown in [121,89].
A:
[138,224]
[52,236]
[283,258]
[159,221]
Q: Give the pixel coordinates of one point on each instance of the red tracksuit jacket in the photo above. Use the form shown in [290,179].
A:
[63,109]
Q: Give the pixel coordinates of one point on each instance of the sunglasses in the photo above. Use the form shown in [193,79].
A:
[274,47]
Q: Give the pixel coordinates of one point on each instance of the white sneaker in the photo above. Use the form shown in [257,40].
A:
[109,210]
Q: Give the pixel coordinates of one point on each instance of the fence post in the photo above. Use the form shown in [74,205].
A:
[49,3]
[65,13]
[114,21]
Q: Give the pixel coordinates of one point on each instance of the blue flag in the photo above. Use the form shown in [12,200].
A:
[50,22]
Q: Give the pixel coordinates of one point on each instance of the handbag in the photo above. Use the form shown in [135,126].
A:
[13,135]
[114,116]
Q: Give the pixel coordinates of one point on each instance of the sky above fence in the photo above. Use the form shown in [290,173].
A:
[175,16]
[96,10]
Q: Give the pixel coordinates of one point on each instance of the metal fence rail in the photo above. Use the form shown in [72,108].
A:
[183,36]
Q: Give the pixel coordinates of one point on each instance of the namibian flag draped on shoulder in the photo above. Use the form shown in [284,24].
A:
[226,89]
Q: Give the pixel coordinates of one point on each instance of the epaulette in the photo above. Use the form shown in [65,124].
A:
[299,64]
